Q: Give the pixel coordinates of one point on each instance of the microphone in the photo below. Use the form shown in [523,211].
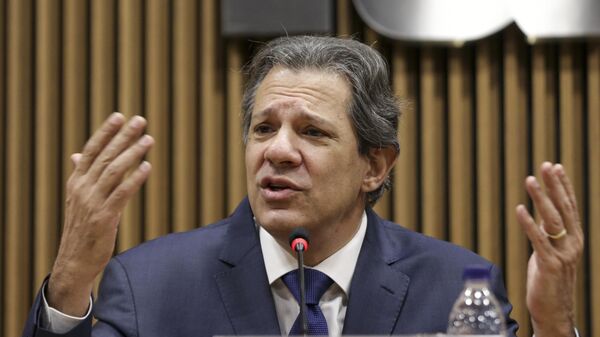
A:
[298,240]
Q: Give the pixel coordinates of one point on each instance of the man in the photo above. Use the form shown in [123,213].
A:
[320,125]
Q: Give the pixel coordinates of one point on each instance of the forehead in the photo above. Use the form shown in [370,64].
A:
[310,89]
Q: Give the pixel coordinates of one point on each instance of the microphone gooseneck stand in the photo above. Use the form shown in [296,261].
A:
[299,243]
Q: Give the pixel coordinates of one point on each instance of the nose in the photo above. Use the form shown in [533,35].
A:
[282,150]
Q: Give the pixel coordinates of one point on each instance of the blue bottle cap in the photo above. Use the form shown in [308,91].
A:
[476,272]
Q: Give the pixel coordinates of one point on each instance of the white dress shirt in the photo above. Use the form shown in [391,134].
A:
[58,322]
[339,267]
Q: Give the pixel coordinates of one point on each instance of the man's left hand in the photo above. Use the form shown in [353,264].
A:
[557,242]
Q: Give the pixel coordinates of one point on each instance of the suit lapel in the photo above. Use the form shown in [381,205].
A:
[376,297]
[244,288]
[378,290]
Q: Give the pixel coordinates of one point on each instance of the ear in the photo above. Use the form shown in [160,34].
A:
[381,161]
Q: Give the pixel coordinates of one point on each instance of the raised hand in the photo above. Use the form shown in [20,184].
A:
[107,173]
[558,244]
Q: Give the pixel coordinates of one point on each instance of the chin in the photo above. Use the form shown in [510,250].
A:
[279,222]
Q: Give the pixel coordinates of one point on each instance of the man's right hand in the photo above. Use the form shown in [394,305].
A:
[96,195]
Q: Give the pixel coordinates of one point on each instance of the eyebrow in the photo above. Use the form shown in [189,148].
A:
[314,118]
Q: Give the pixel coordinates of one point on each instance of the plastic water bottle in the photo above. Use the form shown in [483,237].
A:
[477,311]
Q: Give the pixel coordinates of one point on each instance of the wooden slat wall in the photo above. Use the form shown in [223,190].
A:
[516,166]
[3,142]
[236,169]
[19,162]
[185,197]
[461,158]
[433,141]
[488,148]
[103,48]
[477,120]
[212,121]
[157,99]
[593,185]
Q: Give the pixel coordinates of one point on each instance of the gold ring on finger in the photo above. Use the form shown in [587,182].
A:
[556,236]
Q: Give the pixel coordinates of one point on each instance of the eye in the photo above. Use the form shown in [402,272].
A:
[314,132]
[262,129]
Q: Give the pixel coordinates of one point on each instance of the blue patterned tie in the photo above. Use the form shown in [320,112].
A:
[316,284]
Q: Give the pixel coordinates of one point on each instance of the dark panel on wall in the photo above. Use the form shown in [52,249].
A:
[245,18]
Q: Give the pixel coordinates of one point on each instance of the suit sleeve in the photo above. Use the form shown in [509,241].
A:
[114,310]
[33,326]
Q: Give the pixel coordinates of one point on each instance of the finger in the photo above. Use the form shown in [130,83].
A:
[575,226]
[558,195]
[99,140]
[114,173]
[75,158]
[538,239]
[128,135]
[552,219]
[120,195]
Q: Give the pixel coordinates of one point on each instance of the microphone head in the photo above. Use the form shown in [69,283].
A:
[299,239]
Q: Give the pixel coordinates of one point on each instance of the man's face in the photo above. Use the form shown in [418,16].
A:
[302,159]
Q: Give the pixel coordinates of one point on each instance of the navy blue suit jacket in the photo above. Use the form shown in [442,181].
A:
[212,281]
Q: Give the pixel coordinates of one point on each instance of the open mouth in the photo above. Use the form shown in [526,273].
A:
[274,187]
[278,188]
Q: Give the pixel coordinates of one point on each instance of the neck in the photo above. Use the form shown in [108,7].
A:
[325,243]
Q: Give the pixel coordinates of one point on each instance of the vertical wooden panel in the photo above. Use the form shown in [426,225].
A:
[571,144]
[461,160]
[344,18]
[75,80]
[212,184]
[433,139]
[130,103]
[185,111]
[103,61]
[488,150]
[593,122]
[236,170]
[3,159]
[47,115]
[516,166]
[19,165]
[544,94]
[406,176]
[157,103]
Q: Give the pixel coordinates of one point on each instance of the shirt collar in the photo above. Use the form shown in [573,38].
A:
[339,266]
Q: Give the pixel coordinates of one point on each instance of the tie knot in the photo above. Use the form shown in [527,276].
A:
[315,282]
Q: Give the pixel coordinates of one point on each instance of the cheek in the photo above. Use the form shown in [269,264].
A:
[252,159]
[338,171]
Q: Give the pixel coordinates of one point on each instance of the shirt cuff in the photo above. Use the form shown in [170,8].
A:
[56,321]
[575,329]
